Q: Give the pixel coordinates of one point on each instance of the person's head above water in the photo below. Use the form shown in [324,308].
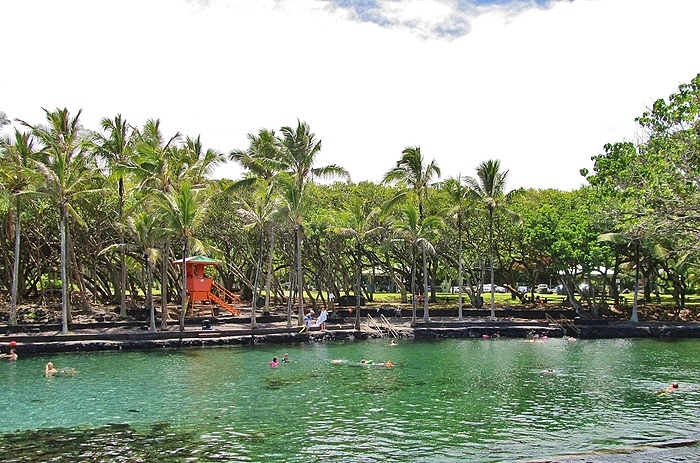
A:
[674,385]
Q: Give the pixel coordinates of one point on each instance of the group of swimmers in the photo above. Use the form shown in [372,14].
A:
[275,362]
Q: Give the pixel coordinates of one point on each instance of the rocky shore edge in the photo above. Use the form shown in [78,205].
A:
[30,340]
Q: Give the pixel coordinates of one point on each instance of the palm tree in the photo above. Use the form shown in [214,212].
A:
[360,223]
[627,240]
[298,151]
[262,158]
[155,164]
[146,230]
[181,211]
[199,163]
[459,195]
[412,171]
[17,176]
[68,170]
[489,190]
[262,161]
[418,234]
[116,147]
[259,212]
[292,209]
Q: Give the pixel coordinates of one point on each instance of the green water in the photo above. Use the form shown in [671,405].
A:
[449,400]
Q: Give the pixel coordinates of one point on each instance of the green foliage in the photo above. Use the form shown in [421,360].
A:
[111,180]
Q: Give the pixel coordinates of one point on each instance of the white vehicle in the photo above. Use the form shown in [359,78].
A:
[496,289]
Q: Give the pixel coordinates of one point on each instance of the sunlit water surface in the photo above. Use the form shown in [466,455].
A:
[449,400]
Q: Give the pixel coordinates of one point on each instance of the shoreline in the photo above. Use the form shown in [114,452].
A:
[32,339]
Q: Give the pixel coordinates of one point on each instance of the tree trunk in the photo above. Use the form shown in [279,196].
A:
[459,266]
[122,253]
[493,289]
[414,320]
[291,292]
[254,307]
[268,280]
[12,320]
[149,297]
[164,286]
[635,317]
[300,277]
[358,283]
[426,314]
[183,293]
[65,310]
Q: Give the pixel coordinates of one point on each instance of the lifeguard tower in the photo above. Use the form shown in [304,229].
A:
[204,290]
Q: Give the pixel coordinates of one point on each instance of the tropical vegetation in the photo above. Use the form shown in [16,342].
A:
[90,215]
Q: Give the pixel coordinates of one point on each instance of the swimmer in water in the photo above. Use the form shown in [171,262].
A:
[273,364]
[49,369]
[672,388]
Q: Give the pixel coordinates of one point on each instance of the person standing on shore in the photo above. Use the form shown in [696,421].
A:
[322,317]
[307,320]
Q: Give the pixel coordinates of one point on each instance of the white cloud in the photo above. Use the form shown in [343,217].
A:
[540,89]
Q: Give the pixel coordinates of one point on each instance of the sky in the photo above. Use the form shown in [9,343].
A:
[540,85]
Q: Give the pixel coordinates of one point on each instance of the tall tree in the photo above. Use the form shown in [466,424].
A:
[418,235]
[293,209]
[198,163]
[489,190]
[412,171]
[299,150]
[17,174]
[68,169]
[258,212]
[157,167]
[262,161]
[181,211]
[360,222]
[460,199]
[115,145]
[146,230]
[262,158]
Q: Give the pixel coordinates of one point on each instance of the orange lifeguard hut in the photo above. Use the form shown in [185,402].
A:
[205,290]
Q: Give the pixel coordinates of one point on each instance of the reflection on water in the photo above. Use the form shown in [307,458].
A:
[452,400]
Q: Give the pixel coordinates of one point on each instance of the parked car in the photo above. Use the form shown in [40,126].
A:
[496,289]
[523,289]
[542,289]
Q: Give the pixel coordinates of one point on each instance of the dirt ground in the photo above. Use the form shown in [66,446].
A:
[35,313]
